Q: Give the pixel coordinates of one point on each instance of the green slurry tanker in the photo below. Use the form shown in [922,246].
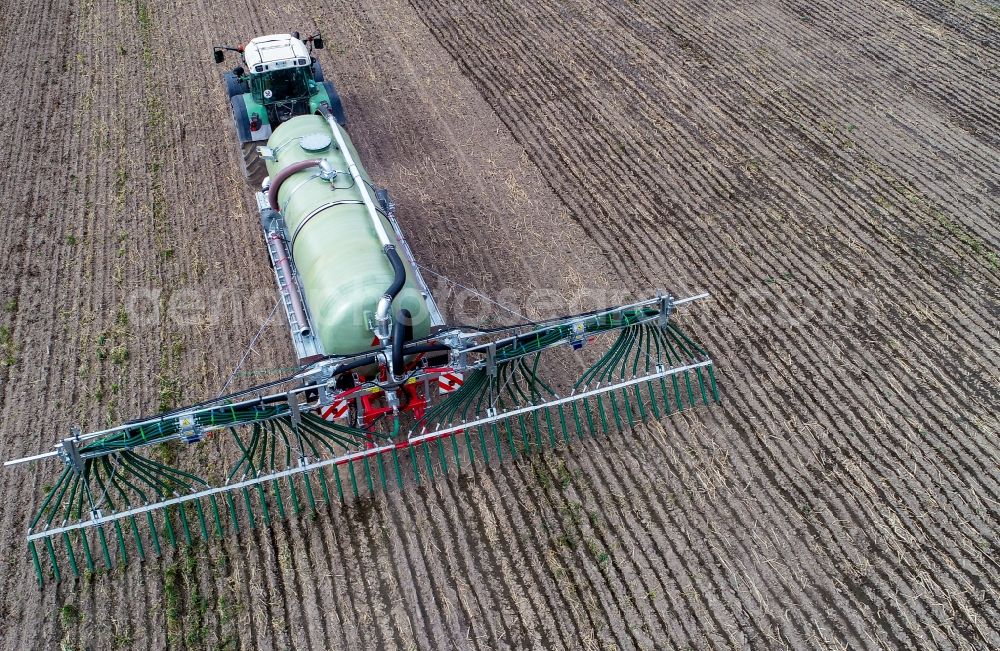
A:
[324,214]
[385,394]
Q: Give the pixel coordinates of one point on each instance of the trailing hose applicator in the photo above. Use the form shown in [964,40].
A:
[419,399]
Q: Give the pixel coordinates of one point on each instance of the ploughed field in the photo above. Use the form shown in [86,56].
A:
[828,171]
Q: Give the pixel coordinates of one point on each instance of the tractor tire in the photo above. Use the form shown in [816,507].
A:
[317,72]
[335,105]
[253,165]
[234,86]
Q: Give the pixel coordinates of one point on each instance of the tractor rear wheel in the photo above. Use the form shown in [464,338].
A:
[234,86]
[253,165]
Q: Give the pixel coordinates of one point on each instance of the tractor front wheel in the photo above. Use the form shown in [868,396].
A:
[253,165]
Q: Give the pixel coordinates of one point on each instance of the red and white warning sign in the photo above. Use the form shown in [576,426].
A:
[338,410]
[449,381]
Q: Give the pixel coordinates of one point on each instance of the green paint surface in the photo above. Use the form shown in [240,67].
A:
[340,261]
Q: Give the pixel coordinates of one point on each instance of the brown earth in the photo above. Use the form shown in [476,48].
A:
[827,170]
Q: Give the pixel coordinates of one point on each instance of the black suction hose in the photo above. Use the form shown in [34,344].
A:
[398,273]
[402,327]
[402,331]
[358,363]
[425,348]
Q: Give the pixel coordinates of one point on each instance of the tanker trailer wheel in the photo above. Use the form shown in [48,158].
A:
[253,165]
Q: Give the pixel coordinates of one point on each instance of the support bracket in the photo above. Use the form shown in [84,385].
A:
[666,308]
[69,450]
[491,359]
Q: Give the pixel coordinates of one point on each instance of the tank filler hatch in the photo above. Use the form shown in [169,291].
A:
[315,142]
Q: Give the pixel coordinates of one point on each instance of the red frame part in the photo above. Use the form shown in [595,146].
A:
[372,399]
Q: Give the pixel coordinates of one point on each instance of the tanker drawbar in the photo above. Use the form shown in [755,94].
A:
[386,394]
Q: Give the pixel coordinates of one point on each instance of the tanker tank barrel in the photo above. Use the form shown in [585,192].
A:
[339,234]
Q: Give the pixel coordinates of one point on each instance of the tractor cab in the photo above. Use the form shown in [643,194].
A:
[280,75]
[279,79]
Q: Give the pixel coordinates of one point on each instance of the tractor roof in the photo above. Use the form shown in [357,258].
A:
[275,51]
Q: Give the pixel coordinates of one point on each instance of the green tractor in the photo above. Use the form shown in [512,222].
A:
[278,80]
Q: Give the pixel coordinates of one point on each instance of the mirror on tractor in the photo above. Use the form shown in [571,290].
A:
[219,56]
[318,42]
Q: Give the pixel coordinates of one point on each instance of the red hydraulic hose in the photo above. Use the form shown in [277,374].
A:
[282,176]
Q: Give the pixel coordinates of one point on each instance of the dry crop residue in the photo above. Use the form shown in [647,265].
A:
[827,170]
